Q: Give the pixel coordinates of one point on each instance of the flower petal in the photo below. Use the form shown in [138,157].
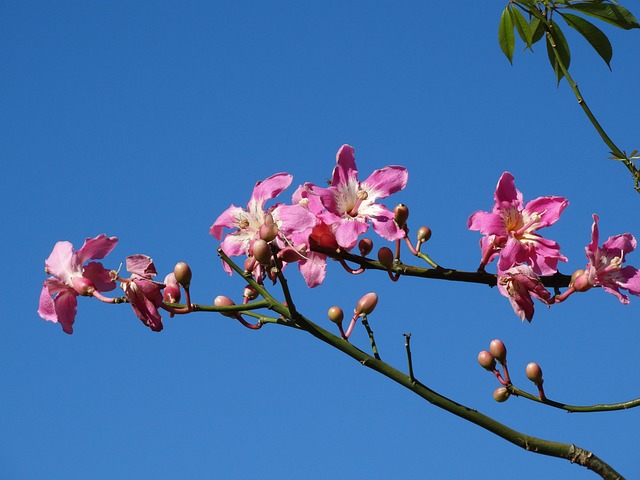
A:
[267,189]
[382,183]
[549,209]
[62,263]
[345,170]
[99,276]
[66,305]
[95,248]
[230,218]
[347,231]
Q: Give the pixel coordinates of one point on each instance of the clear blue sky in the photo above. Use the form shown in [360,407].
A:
[145,120]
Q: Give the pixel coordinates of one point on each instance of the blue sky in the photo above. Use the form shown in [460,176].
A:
[145,120]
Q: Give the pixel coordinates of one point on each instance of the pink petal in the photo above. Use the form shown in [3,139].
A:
[313,268]
[345,170]
[620,244]
[66,305]
[62,263]
[549,209]
[95,248]
[293,218]
[382,183]
[632,279]
[348,230]
[487,223]
[228,218]
[99,276]
[141,265]
[46,307]
[383,223]
[506,191]
[326,196]
[267,189]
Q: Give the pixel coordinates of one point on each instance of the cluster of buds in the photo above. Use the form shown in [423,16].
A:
[489,360]
[497,354]
[364,307]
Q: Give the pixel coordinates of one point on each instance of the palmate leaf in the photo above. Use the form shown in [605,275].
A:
[506,37]
[608,12]
[556,41]
[592,34]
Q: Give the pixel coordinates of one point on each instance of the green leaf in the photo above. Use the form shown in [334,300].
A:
[610,13]
[536,27]
[522,26]
[506,38]
[592,34]
[557,46]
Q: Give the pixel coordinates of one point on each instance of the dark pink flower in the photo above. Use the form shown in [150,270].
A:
[143,293]
[519,284]
[510,229]
[70,278]
[289,219]
[605,264]
[350,204]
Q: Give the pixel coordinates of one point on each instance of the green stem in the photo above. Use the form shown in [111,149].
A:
[601,407]
[545,447]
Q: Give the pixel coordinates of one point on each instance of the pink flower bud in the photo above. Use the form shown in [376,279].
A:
[581,283]
[83,286]
[336,315]
[366,304]
[424,234]
[385,257]
[486,360]
[269,229]
[171,293]
[501,394]
[262,251]
[250,264]
[222,301]
[534,373]
[182,271]
[401,212]
[498,350]
[291,254]
[365,245]
[250,293]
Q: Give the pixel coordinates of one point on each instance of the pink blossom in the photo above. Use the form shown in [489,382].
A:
[510,229]
[70,278]
[605,264]
[290,219]
[143,293]
[350,204]
[519,284]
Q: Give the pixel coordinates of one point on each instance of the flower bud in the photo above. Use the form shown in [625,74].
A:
[171,293]
[581,282]
[365,245]
[222,301]
[424,234]
[366,304]
[262,251]
[486,360]
[501,394]
[250,263]
[498,350]
[292,254]
[385,257]
[83,286]
[336,315]
[534,373]
[401,212]
[250,293]
[269,229]
[182,271]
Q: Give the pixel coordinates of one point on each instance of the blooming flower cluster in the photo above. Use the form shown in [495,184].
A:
[70,278]
[510,234]
[320,220]
[331,217]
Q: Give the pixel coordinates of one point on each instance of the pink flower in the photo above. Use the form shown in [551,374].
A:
[605,264]
[70,278]
[519,284]
[289,219]
[510,229]
[143,293]
[350,204]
